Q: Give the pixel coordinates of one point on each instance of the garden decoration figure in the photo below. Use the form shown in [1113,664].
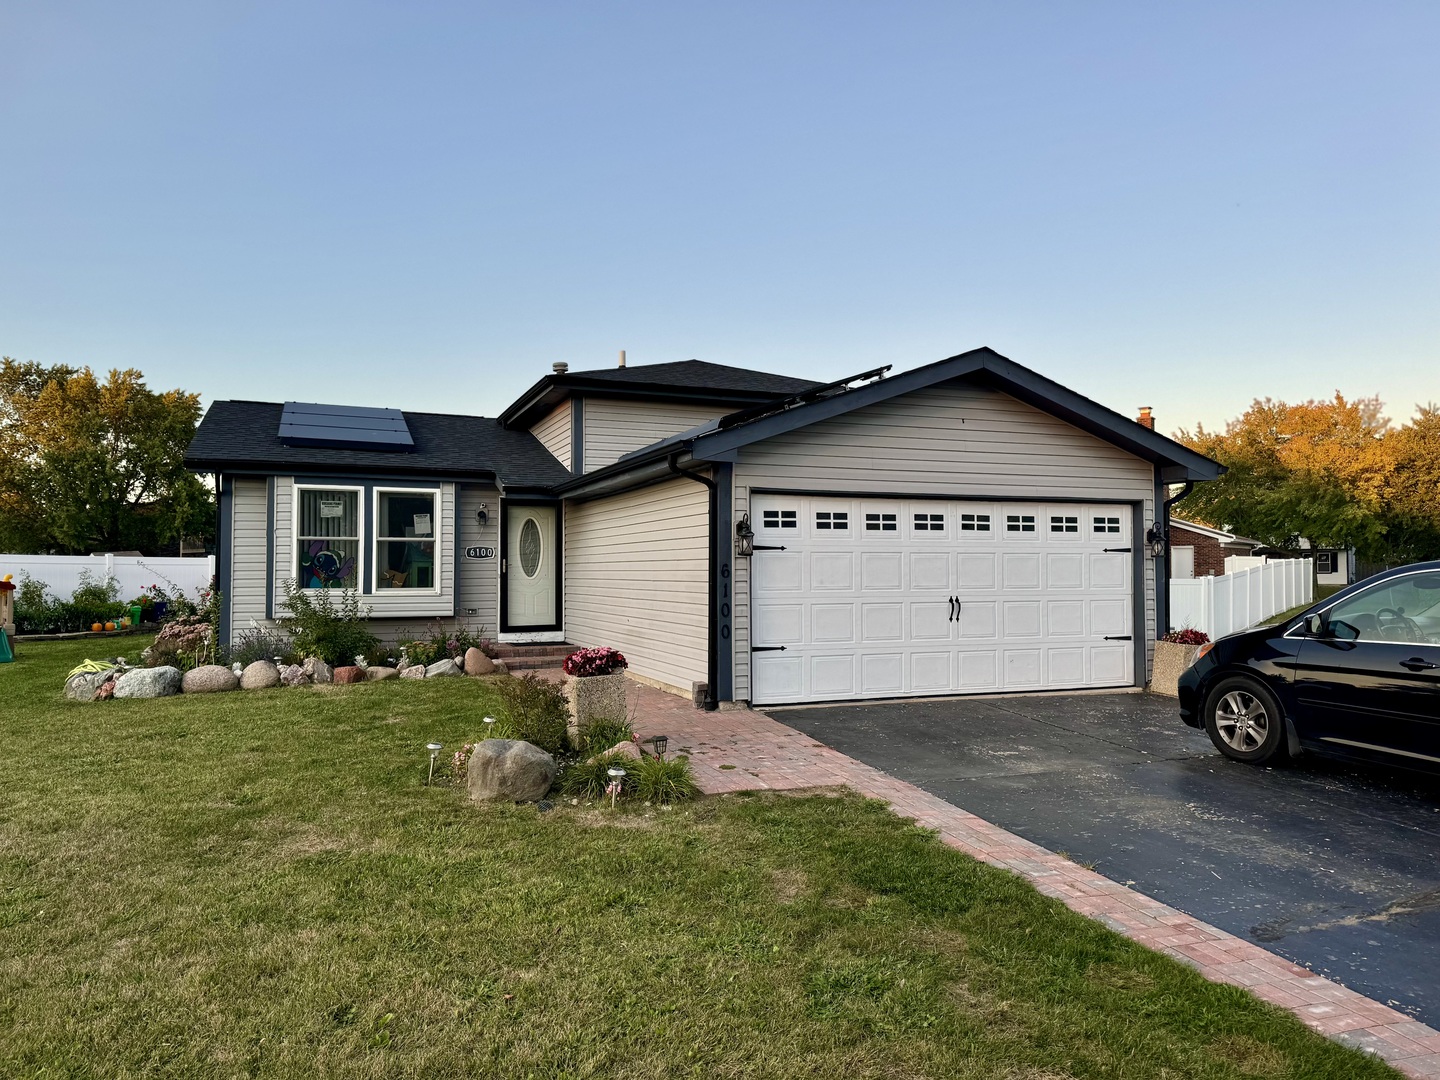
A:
[434,749]
[324,567]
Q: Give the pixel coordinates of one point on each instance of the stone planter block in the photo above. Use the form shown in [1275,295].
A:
[596,697]
[1171,660]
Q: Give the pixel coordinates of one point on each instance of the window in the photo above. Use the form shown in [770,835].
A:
[327,540]
[1402,611]
[1021,523]
[832,519]
[1107,524]
[406,526]
[929,522]
[1325,562]
[779,519]
[1064,524]
[974,522]
[880,523]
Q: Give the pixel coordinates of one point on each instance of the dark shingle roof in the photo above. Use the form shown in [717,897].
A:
[236,435]
[697,375]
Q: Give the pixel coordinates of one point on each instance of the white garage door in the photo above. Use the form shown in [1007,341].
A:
[856,598]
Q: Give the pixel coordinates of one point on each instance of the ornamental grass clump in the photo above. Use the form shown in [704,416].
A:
[591,779]
[586,663]
[601,735]
[659,781]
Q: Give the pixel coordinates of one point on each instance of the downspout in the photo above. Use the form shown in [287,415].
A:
[1185,489]
[712,644]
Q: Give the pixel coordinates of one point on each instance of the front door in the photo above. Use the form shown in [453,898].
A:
[530,568]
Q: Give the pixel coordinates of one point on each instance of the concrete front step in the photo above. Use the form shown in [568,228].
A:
[557,651]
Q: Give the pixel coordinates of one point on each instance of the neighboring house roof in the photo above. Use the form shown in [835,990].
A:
[243,436]
[684,380]
[983,366]
[1215,534]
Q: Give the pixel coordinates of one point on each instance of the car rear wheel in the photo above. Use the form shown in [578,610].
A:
[1244,721]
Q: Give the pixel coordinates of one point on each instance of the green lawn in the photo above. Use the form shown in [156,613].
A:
[259,884]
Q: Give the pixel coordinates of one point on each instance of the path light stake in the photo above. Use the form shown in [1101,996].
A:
[659,742]
[616,775]
[434,749]
[489,723]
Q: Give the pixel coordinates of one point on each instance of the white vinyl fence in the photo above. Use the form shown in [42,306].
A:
[61,573]
[1242,598]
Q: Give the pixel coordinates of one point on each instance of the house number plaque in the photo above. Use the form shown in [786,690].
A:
[479,552]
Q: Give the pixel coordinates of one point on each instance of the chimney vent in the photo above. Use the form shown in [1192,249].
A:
[1146,418]
[560,367]
[622,357]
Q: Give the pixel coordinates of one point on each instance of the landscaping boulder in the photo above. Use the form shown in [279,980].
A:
[477,663]
[349,674]
[442,668]
[375,674]
[500,667]
[261,675]
[210,679]
[629,748]
[414,671]
[318,670]
[509,770]
[294,675]
[82,687]
[148,682]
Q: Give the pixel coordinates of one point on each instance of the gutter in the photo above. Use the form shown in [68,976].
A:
[1185,489]
[712,643]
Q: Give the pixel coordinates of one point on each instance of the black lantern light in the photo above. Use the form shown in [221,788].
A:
[659,742]
[744,536]
[1156,539]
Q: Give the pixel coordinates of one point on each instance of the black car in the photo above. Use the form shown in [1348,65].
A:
[1356,675]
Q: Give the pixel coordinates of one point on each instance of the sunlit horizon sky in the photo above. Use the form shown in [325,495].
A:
[425,206]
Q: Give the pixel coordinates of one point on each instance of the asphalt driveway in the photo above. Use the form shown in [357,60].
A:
[1334,867]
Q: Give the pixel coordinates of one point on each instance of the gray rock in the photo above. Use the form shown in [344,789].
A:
[509,770]
[442,668]
[375,674]
[82,687]
[477,663]
[500,667]
[210,679]
[318,670]
[148,682]
[261,675]
[294,675]
[414,671]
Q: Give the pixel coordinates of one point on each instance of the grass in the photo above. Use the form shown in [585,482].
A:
[259,884]
[1321,592]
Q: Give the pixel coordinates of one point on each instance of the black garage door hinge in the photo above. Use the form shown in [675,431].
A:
[1119,637]
[767,547]
[1108,550]
[767,648]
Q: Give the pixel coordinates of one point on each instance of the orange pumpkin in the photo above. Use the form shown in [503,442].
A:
[109,626]
[96,627]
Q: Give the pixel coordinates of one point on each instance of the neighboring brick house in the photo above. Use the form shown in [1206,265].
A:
[1200,551]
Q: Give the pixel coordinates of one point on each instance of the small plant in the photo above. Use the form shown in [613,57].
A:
[584,663]
[185,642]
[1187,636]
[536,711]
[93,593]
[660,781]
[261,643]
[327,630]
[601,735]
[591,779]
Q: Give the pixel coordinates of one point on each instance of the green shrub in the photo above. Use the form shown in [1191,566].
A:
[661,781]
[589,779]
[534,710]
[261,643]
[329,631]
[38,611]
[601,735]
[92,593]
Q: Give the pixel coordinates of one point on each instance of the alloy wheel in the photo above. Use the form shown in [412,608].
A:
[1242,721]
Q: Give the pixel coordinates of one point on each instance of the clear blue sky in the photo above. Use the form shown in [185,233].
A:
[425,204]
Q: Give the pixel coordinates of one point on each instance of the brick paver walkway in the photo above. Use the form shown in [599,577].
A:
[743,750]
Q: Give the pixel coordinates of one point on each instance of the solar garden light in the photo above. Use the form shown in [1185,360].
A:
[616,775]
[659,742]
[489,723]
[434,749]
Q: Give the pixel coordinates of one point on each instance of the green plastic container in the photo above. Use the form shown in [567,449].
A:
[135,615]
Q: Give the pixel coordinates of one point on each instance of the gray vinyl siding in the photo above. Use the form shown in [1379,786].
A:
[249,542]
[955,440]
[637,577]
[614,428]
[477,596]
[554,433]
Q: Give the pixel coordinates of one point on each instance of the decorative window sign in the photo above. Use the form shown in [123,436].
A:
[479,552]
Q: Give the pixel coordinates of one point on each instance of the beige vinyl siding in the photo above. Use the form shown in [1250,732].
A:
[614,428]
[249,543]
[637,576]
[956,440]
[477,594]
[554,433]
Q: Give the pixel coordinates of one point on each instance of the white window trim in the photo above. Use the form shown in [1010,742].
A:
[375,539]
[295,531]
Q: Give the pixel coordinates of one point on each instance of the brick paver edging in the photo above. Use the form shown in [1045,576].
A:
[743,750]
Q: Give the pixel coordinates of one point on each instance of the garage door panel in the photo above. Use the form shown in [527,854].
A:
[832,570]
[979,619]
[781,677]
[1020,619]
[779,624]
[1065,571]
[1109,665]
[979,669]
[882,673]
[930,621]
[1109,571]
[779,571]
[832,622]
[1022,669]
[1021,571]
[930,570]
[1109,617]
[931,671]
[1065,618]
[881,571]
[832,675]
[882,622]
[977,572]
[1065,667]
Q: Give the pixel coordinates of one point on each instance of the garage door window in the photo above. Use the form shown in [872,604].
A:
[929,522]
[1020,523]
[1059,524]
[779,519]
[880,523]
[975,523]
[1109,525]
[832,519]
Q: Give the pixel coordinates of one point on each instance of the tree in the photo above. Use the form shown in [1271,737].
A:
[89,466]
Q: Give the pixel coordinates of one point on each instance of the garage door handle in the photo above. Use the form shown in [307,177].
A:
[1416,664]
[1119,637]
[952,610]
[767,648]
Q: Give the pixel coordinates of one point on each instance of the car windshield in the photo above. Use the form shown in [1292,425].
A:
[1404,610]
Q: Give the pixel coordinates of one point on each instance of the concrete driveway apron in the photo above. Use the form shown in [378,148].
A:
[1334,867]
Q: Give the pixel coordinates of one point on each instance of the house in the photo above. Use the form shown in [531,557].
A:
[1333,566]
[966,526]
[1200,551]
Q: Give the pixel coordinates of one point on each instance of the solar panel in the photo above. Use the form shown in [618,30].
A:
[344,427]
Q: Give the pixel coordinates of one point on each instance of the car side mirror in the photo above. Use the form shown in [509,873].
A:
[1315,626]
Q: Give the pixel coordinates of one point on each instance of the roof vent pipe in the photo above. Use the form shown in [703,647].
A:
[622,358]
[560,367]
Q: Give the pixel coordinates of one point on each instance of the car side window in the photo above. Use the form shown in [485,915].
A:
[1404,610]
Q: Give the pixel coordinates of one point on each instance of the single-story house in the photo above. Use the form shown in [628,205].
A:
[967,526]
[1200,551]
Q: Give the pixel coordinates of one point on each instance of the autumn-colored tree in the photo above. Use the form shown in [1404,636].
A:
[1334,472]
[90,466]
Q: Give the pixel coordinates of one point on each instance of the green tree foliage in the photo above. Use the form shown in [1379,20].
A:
[1335,472]
[87,465]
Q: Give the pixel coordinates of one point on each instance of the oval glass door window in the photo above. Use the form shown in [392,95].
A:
[530,547]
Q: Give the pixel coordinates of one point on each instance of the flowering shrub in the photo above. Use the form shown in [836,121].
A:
[1187,637]
[583,663]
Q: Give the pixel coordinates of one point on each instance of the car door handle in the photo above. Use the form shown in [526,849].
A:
[1417,664]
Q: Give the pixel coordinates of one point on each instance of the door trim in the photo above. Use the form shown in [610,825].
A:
[559,507]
